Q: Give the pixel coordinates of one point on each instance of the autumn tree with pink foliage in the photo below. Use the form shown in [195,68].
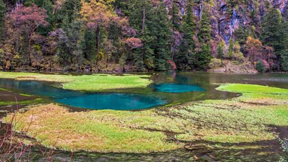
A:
[25,20]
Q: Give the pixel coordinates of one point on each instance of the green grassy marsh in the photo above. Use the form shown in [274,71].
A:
[234,121]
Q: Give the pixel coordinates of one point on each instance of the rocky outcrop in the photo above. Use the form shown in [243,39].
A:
[225,19]
[234,67]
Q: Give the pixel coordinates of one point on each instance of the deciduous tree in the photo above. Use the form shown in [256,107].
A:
[26,20]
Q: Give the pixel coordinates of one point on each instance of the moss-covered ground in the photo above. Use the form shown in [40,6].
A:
[96,82]
[243,123]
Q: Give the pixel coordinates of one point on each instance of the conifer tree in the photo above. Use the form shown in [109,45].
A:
[175,18]
[143,22]
[70,42]
[220,50]
[284,60]
[241,35]
[230,49]
[271,34]
[71,9]
[89,47]
[2,20]
[185,57]
[175,22]
[275,33]
[153,29]
[48,6]
[203,58]
[163,34]
[205,29]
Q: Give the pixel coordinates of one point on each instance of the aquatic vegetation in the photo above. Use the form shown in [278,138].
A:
[9,98]
[96,82]
[234,121]
[27,102]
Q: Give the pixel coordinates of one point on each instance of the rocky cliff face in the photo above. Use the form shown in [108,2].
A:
[228,15]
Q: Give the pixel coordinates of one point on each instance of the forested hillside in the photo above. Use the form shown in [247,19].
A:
[144,35]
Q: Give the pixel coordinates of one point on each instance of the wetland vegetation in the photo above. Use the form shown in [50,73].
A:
[242,121]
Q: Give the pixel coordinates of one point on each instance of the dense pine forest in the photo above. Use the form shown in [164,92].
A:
[144,35]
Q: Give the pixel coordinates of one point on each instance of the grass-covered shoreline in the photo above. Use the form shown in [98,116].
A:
[95,82]
[245,119]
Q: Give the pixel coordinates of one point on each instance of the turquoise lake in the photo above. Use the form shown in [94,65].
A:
[168,88]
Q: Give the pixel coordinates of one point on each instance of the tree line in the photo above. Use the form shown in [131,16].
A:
[130,35]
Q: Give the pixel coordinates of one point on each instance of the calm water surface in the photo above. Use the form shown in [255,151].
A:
[167,88]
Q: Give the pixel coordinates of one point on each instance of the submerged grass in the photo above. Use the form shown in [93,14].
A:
[26,102]
[96,82]
[238,120]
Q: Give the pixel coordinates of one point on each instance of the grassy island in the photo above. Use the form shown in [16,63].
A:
[96,82]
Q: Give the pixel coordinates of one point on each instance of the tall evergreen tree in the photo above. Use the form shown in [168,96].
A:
[275,32]
[70,49]
[175,22]
[48,6]
[175,18]
[143,22]
[271,34]
[89,47]
[71,9]
[241,35]
[220,50]
[2,20]
[205,29]
[284,60]
[142,18]
[230,49]
[185,57]
[203,58]
[163,35]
